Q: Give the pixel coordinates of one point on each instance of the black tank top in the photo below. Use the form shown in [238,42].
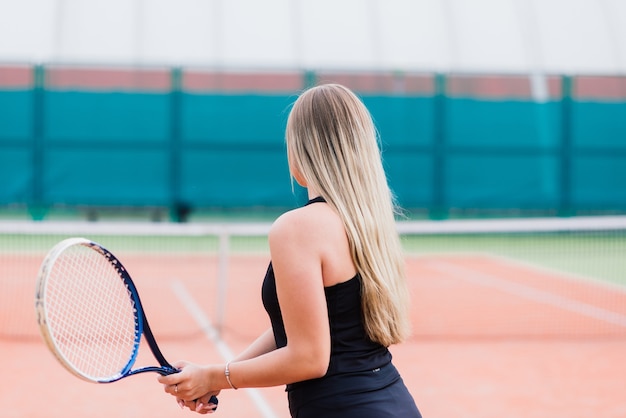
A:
[352,352]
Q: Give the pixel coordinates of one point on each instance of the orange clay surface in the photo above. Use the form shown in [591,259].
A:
[484,345]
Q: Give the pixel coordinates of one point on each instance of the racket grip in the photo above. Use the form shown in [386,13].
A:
[166,370]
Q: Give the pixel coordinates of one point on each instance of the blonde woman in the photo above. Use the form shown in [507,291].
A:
[335,288]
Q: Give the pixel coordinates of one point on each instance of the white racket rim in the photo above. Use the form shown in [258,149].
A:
[42,314]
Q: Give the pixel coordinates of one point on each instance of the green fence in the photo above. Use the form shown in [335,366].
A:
[186,138]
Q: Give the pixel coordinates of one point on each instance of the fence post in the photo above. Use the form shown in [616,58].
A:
[179,211]
[309,79]
[36,207]
[565,204]
[438,209]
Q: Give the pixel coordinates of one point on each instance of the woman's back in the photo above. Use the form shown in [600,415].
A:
[357,366]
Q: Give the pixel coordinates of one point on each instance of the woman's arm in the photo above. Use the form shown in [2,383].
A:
[296,242]
[262,345]
[295,250]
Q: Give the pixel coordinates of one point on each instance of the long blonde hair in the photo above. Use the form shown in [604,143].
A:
[332,143]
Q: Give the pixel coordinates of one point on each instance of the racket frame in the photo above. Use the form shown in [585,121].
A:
[141,322]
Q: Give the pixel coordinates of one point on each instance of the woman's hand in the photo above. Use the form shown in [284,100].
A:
[202,405]
[191,387]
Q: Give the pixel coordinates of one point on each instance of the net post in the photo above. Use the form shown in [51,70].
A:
[222,279]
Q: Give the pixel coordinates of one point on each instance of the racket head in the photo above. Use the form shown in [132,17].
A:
[88,310]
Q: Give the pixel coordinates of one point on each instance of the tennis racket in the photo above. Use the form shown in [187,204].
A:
[90,314]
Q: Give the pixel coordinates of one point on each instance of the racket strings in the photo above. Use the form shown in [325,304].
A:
[90,312]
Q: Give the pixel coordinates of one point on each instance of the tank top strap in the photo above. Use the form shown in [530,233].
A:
[318,199]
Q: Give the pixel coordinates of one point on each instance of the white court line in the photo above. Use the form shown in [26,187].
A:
[527,292]
[205,324]
[557,272]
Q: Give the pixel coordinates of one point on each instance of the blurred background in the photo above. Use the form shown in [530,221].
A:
[177,108]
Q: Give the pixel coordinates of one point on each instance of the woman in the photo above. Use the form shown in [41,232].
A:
[335,289]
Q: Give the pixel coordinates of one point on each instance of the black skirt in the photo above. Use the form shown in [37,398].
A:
[353,396]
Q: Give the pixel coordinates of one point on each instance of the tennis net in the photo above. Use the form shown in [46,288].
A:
[510,278]
[157,256]
[518,278]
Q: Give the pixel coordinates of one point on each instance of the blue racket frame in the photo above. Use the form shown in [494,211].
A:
[141,322]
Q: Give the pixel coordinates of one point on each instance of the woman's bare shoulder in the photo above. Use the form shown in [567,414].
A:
[307,223]
[312,236]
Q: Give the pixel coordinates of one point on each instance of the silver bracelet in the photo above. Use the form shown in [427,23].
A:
[227,374]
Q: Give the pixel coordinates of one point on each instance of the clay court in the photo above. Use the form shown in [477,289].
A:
[492,338]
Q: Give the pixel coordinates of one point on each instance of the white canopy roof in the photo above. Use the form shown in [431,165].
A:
[504,36]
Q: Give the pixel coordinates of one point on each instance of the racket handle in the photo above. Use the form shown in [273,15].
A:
[214,400]
[166,370]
